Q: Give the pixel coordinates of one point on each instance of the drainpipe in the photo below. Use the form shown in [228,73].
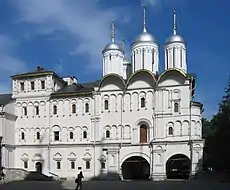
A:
[119,163]
[1,137]
[49,137]
[190,134]
[94,131]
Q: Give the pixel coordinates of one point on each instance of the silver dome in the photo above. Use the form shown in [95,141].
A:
[145,37]
[112,46]
[175,38]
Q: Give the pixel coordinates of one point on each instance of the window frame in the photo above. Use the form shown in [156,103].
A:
[85,135]
[43,85]
[87,165]
[22,86]
[71,135]
[54,109]
[32,85]
[72,165]
[37,111]
[58,165]
[106,104]
[56,134]
[74,108]
[38,135]
[86,107]
[143,103]
[176,107]
[25,164]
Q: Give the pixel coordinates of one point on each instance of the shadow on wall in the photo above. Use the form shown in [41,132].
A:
[104,173]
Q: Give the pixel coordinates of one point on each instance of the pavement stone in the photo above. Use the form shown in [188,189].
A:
[116,185]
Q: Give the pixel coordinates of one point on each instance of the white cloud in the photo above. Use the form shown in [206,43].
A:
[10,64]
[83,21]
[160,3]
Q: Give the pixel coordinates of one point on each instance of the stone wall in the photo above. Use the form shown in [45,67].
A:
[15,174]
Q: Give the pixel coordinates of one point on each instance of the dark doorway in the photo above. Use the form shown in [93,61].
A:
[38,167]
[178,167]
[136,168]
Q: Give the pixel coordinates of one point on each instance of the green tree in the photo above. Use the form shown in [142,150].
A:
[208,131]
[221,121]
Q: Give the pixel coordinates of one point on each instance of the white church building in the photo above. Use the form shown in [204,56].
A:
[135,122]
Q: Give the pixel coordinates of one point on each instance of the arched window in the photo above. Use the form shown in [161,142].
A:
[142,102]
[71,135]
[86,107]
[107,134]
[87,164]
[23,136]
[73,108]
[170,132]
[84,135]
[106,104]
[176,107]
[38,135]
[54,109]
[143,133]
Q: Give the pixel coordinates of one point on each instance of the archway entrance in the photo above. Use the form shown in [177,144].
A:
[38,167]
[178,167]
[136,168]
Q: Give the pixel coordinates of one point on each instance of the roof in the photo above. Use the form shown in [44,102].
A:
[5,99]
[38,72]
[75,90]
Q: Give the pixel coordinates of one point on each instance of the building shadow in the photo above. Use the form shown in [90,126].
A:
[203,174]
[37,176]
[35,185]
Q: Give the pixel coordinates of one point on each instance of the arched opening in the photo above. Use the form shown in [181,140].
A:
[143,134]
[178,167]
[136,167]
[38,167]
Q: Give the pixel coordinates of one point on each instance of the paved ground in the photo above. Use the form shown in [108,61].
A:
[117,185]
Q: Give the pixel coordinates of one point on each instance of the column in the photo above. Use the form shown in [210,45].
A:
[158,171]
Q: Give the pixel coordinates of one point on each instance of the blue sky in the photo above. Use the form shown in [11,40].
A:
[67,36]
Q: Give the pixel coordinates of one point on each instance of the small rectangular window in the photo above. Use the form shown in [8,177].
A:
[25,111]
[25,164]
[71,135]
[42,84]
[22,86]
[36,110]
[32,85]
[87,164]
[72,164]
[58,165]
[56,135]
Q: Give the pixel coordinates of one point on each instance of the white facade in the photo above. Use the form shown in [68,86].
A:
[95,127]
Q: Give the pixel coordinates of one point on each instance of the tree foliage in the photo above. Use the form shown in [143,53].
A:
[217,135]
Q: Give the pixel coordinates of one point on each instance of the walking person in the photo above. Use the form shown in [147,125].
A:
[78,180]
